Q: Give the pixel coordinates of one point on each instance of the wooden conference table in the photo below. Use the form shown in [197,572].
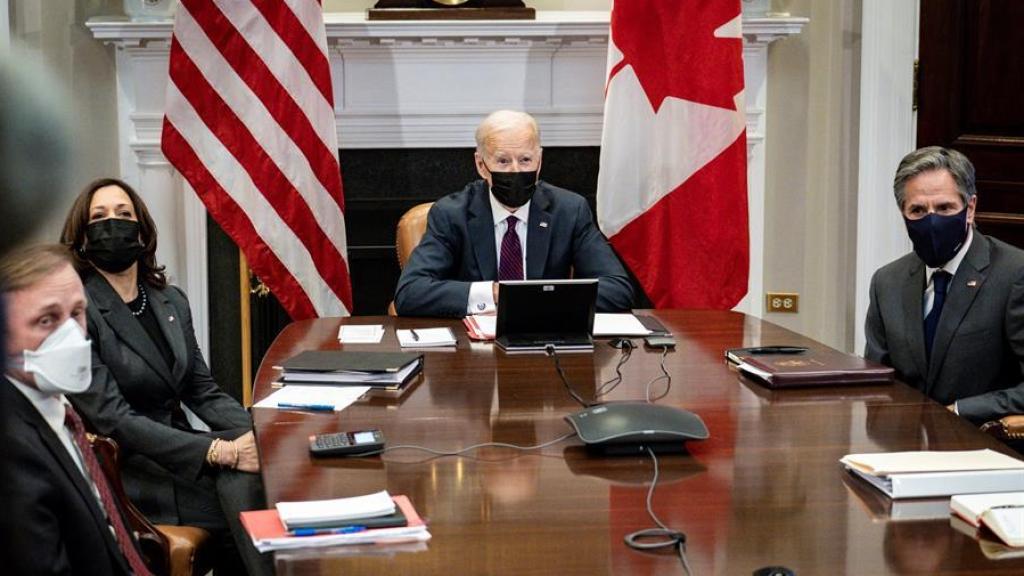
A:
[765,489]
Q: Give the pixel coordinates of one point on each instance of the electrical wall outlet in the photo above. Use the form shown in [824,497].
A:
[788,302]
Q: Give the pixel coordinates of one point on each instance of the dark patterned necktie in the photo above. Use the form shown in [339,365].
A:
[511,265]
[92,466]
[940,279]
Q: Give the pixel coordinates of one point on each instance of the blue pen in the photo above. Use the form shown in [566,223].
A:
[314,407]
[325,531]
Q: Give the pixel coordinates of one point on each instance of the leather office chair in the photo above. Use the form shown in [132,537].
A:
[411,227]
[166,549]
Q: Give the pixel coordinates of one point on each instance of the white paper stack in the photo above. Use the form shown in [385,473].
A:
[626,324]
[360,333]
[310,512]
[319,398]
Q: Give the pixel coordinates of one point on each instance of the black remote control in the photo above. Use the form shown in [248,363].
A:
[346,443]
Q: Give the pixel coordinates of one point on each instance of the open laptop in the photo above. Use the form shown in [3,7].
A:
[533,314]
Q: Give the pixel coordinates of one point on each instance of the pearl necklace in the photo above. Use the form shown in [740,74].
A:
[145,300]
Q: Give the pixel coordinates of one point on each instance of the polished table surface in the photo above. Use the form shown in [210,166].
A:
[766,489]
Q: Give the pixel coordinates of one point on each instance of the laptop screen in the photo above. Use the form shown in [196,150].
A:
[529,307]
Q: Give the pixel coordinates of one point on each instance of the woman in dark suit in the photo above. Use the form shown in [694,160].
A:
[146,364]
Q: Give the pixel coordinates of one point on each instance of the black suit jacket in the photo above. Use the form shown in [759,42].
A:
[134,395]
[51,522]
[458,249]
[978,351]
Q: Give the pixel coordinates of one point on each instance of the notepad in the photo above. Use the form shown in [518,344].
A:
[1002,513]
[483,326]
[293,397]
[426,337]
[360,333]
[626,324]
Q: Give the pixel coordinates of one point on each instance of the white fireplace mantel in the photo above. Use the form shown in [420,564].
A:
[418,84]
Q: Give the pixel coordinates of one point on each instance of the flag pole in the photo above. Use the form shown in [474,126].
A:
[245,315]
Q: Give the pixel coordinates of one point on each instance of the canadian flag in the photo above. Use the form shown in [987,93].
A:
[672,189]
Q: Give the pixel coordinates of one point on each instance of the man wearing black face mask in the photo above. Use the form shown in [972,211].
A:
[508,226]
[949,317]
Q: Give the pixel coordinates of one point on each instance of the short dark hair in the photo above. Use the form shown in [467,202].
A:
[77,221]
[24,267]
[935,158]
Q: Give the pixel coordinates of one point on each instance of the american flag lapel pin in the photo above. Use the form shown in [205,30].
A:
[972,283]
[543,224]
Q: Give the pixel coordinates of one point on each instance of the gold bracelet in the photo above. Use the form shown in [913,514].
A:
[235,447]
[211,454]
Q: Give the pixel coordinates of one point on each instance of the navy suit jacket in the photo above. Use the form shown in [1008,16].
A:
[51,521]
[458,249]
[977,358]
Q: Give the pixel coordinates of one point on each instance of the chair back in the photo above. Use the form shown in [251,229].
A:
[410,230]
[167,550]
[152,543]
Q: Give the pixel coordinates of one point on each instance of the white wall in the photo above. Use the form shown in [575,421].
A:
[56,32]
[811,194]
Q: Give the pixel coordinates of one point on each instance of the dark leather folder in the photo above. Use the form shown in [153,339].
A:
[814,367]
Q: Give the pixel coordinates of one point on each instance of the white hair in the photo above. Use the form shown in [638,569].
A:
[503,121]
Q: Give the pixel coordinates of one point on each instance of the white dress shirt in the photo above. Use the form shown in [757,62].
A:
[481,294]
[51,408]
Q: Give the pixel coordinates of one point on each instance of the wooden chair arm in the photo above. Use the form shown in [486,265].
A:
[1006,428]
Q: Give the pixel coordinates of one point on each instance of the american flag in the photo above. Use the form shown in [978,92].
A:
[249,123]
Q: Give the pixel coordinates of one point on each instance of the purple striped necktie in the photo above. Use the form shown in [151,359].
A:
[510,265]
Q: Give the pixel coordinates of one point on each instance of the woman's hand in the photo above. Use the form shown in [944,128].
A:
[248,458]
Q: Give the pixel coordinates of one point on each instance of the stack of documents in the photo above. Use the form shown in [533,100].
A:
[937,473]
[360,333]
[1002,513]
[334,513]
[426,337]
[343,521]
[375,369]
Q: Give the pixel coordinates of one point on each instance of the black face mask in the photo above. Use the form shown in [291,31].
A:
[937,238]
[112,245]
[513,189]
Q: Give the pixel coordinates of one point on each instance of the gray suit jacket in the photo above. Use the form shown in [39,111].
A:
[134,395]
[458,249]
[979,342]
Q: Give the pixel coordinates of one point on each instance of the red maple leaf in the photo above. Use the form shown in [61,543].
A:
[672,47]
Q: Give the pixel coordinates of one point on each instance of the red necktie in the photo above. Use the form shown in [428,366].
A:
[511,265]
[92,466]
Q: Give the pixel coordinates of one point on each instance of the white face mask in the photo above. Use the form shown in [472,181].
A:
[63,362]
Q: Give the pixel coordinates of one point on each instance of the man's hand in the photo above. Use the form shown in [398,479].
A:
[952,408]
[494,287]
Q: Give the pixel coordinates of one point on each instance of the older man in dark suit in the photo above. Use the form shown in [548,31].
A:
[59,516]
[507,226]
[949,317]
